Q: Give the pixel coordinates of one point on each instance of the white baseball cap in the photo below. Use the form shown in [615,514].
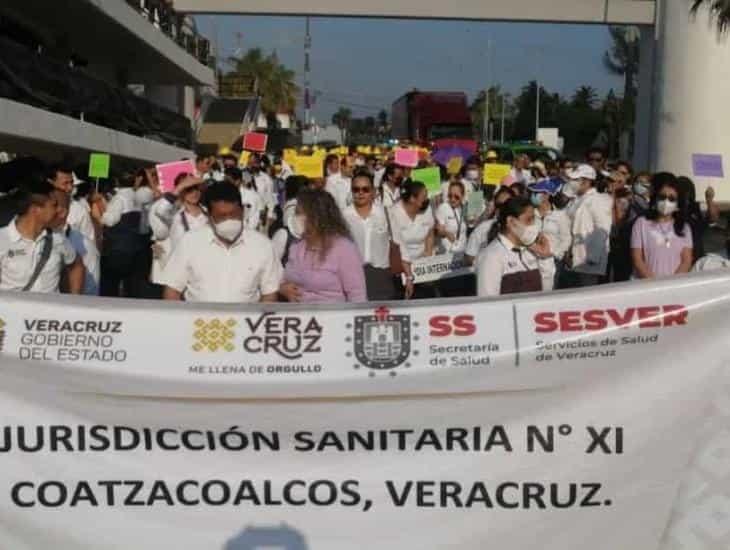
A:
[582,171]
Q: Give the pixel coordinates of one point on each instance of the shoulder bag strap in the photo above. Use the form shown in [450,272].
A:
[42,261]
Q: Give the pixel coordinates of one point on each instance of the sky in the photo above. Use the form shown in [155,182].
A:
[366,64]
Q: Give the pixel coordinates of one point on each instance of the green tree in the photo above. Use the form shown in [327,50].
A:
[276,84]
[584,97]
[496,95]
[720,9]
[623,59]
[342,120]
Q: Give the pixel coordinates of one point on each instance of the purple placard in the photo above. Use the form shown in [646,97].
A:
[708,166]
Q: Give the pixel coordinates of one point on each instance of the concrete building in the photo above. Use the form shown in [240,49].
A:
[68,68]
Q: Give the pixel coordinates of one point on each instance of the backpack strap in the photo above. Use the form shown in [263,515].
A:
[42,261]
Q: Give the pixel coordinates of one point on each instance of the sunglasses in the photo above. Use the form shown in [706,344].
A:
[358,190]
[664,197]
[457,197]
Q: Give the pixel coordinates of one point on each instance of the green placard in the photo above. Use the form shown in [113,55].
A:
[99,165]
[431,177]
[475,205]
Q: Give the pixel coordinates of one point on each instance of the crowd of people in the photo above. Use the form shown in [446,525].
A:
[260,233]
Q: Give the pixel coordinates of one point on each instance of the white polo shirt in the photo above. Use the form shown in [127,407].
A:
[19,257]
[370,235]
[206,270]
[452,219]
[338,186]
[500,258]
[265,189]
[79,218]
[411,234]
[479,237]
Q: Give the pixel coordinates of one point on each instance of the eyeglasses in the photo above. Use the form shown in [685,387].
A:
[665,197]
[358,190]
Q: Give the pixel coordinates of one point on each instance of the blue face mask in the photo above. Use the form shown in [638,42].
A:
[641,189]
[536,199]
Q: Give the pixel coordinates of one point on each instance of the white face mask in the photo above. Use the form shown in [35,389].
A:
[472,175]
[666,208]
[229,230]
[297,224]
[527,234]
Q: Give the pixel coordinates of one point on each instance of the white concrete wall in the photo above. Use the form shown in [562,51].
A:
[28,129]
[692,92]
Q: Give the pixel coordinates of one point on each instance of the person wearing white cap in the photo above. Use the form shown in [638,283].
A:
[591,224]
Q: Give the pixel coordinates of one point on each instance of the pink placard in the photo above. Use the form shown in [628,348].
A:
[406,157]
[255,141]
[167,173]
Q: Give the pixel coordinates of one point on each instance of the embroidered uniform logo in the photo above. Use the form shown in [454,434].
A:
[382,341]
[2,334]
[214,335]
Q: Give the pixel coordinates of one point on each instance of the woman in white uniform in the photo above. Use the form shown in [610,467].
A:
[508,265]
[412,229]
[450,223]
[555,225]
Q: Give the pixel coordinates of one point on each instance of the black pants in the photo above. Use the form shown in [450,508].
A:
[380,284]
[574,279]
[455,287]
[117,272]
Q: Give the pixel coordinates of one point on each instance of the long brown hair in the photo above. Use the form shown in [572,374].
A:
[324,218]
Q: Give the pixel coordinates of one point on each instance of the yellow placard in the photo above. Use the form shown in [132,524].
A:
[310,167]
[243,159]
[495,173]
[289,156]
[454,166]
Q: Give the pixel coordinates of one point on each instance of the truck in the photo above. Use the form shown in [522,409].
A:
[425,117]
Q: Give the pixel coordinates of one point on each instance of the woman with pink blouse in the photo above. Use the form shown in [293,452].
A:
[325,266]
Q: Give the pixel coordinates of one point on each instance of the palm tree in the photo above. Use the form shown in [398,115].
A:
[718,8]
[275,83]
[342,120]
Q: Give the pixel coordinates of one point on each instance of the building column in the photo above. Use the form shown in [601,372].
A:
[644,99]
[692,90]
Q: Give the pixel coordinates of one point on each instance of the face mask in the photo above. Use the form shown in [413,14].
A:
[359,162]
[641,189]
[229,230]
[297,225]
[472,175]
[144,195]
[425,205]
[536,199]
[572,186]
[666,208]
[527,234]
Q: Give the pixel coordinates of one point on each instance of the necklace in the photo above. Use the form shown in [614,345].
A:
[666,234]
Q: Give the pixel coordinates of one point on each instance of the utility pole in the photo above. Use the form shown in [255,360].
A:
[307,68]
[504,104]
[537,111]
[486,93]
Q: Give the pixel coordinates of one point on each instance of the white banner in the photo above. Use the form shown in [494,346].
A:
[443,266]
[564,421]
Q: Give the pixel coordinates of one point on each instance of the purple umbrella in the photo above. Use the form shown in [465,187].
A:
[444,155]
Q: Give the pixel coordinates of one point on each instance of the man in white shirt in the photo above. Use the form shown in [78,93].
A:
[391,182]
[84,248]
[337,185]
[521,170]
[369,228]
[79,216]
[591,223]
[32,257]
[223,262]
[253,206]
[264,186]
